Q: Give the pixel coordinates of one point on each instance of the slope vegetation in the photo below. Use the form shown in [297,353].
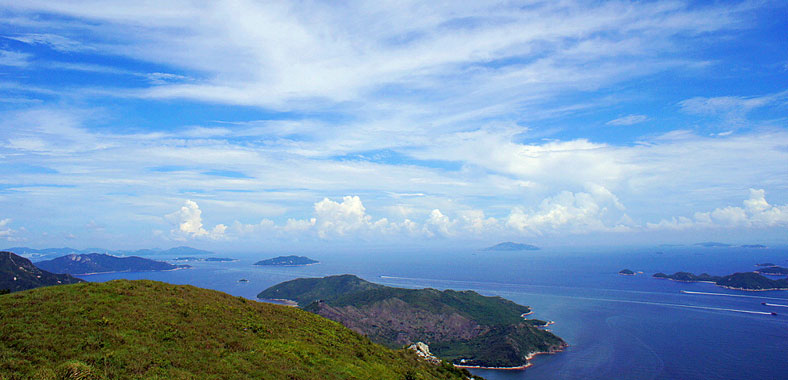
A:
[152,330]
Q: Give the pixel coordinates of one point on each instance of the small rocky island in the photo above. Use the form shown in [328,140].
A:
[462,327]
[287,261]
[626,272]
[739,281]
[510,246]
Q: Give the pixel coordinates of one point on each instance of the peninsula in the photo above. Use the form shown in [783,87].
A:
[739,281]
[102,263]
[462,327]
[287,261]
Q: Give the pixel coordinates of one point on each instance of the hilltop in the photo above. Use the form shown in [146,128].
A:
[460,326]
[18,273]
[103,263]
[145,329]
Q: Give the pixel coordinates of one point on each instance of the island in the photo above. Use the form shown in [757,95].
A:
[205,259]
[626,272]
[93,263]
[756,246]
[772,271]
[510,246]
[145,329]
[766,265]
[18,273]
[287,261]
[462,327]
[739,281]
[712,244]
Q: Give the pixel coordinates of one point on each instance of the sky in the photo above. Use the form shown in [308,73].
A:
[253,125]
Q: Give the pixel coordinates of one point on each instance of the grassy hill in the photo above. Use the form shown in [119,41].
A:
[152,330]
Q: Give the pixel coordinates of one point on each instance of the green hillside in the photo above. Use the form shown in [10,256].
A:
[152,330]
[18,273]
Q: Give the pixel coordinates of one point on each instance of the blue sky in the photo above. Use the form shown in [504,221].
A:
[240,123]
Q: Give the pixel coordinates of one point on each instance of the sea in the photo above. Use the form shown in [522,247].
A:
[617,327]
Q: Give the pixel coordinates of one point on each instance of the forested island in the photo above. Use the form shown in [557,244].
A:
[287,261]
[463,327]
[626,272]
[738,281]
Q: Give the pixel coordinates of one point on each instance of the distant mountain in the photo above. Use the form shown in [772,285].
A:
[509,246]
[27,251]
[183,250]
[712,244]
[739,281]
[18,273]
[102,263]
[287,261]
[463,327]
[758,246]
[44,252]
[210,259]
[151,330]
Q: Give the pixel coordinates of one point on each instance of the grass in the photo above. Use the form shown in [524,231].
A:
[151,330]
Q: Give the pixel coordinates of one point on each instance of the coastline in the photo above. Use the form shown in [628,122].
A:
[723,286]
[520,367]
[132,271]
[280,301]
[286,265]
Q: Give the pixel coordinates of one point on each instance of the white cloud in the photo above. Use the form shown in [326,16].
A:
[438,224]
[756,213]
[56,42]
[13,58]
[341,218]
[5,230]
[188,221]
[628,120]
[573,212]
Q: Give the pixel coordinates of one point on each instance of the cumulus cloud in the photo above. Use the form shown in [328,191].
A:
[628,120]
[756,213]
[574,212]
[5,230]
[341,218]
[188,221]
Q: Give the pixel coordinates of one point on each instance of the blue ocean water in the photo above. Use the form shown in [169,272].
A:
[618,327]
